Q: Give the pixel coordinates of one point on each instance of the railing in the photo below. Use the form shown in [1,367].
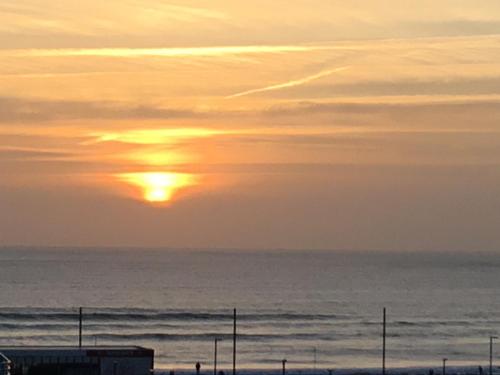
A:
[4,365]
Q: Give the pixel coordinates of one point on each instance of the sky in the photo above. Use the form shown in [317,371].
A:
[298,124]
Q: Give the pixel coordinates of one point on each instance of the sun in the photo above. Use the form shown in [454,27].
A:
[158,187]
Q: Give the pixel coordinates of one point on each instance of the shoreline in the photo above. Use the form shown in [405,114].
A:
[411,370]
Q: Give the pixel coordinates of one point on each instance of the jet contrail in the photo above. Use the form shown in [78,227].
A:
[295,82]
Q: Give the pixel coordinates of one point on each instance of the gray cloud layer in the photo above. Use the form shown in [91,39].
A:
[14,110]
[27,110]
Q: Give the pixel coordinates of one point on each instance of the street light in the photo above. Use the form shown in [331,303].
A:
[444,365]
[315,351]
[215,355]
[491,353]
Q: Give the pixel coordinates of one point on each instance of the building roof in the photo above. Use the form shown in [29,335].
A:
[76,351]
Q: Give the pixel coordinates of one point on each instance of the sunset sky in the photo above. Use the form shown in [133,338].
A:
[298,124]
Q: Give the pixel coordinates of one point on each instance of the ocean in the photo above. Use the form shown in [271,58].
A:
[317,309]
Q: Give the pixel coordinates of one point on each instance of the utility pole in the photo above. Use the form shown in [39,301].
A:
[315,357]
[444,365]
[383,341]
[491,353]
[215,356]
[80,328]
[234,342]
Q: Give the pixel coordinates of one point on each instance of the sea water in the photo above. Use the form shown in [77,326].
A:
[317,309]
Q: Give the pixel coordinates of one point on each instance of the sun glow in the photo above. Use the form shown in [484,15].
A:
[155,136]
[158,187]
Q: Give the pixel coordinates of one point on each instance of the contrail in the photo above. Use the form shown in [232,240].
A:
[295,82]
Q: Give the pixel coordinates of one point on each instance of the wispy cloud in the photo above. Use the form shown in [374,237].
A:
[19,153]
[158,52]
[32,111]
[292,83]
[114,16]
[155,136]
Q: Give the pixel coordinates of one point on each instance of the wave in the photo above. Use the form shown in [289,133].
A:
[427,323]
[156,336]
[156,316]
[207,337]
[149,325]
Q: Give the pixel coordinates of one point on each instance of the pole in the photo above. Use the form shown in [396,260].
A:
[383,341]
[444,365]
[234,342]
[283,363]
[491,353]
[315,357]
[215,356]
[80,329]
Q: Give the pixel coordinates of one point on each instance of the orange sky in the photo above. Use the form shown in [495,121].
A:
[304,124]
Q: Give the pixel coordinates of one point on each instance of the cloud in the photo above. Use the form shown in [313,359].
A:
[29,110]
[14,110]
[152,22]
[155,136]
[30,16]
[158,52]
[457,86]
[454,27]
[477,115]
[424,104]
[18,154]
[292,83]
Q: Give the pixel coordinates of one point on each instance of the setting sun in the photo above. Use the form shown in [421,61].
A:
[158,186]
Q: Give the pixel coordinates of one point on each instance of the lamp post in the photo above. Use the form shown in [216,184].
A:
[383,339]
[315,357]
[444,365]
[234,342]
[80,324]
[491,353]
[215,355]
